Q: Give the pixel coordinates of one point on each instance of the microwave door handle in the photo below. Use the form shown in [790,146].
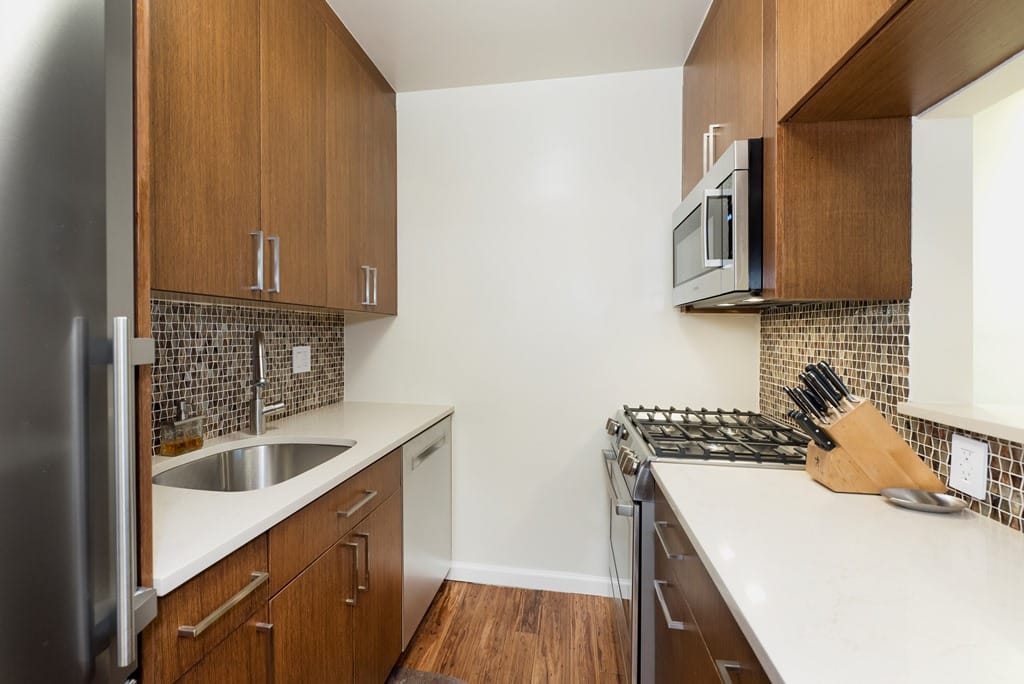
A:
[704,225]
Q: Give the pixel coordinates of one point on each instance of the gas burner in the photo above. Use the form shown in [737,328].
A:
[718,436]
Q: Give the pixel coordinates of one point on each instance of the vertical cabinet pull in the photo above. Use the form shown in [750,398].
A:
[268,629]
[724,666]
[366,285]
[275,243]
[374,286]
[706,154]
[710,145]
[355,574]
[365,586]
[258,287]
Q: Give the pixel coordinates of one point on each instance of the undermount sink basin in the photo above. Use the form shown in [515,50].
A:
[249,468]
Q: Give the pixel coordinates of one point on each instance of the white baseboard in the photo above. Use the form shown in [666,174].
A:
[526,578]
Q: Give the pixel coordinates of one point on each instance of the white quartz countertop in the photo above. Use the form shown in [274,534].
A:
[194,529]
[846,588]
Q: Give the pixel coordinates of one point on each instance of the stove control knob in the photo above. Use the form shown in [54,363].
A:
[612,427]
[623,433]
[626,457]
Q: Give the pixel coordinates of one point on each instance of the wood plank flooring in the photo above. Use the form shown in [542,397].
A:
[483,634]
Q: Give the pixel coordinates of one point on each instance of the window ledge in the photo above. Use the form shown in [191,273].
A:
[1005,422]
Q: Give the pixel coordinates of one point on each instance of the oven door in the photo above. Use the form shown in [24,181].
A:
[621,512]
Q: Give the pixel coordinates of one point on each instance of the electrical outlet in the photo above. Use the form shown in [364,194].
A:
[302,359]
[968,466]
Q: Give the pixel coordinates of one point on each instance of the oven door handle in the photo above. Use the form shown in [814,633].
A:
[705,224]
[622,509]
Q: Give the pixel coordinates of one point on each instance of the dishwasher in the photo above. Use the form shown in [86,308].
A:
[427,521]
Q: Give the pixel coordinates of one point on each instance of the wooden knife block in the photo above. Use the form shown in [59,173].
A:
[869,456]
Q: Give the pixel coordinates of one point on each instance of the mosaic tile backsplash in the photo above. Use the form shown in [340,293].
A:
[868,343]
[204,356]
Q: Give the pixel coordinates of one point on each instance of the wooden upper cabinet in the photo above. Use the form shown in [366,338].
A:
[815,38]
[924,52]
[347,181]
[361,184]
[204,169]
[722,85]
[292,63]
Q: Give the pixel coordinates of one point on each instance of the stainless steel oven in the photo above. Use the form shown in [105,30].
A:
[717,232]
[623,515]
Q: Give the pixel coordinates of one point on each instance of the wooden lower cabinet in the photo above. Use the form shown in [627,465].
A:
[312,624]
[243,658]
[338,620]
[696,637]
[378,612]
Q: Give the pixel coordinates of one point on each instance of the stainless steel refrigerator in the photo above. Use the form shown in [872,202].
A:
[70,610]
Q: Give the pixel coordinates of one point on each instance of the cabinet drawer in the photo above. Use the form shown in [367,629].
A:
[300,539]
[726,643]
[200,603]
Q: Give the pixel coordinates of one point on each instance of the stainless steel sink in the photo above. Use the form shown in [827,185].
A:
[248,468]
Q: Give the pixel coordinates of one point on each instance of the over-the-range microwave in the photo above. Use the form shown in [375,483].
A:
[717,233]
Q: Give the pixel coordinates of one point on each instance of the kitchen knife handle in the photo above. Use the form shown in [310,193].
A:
[818,407]
[825,383]
[836,380]
[815,432]
[823,394]
[800,403]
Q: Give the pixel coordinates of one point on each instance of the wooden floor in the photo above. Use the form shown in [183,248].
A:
[483,634]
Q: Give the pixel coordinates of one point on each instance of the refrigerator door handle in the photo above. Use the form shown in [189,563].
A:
[130,599]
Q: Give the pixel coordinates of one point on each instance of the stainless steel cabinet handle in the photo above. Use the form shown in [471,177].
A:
[268,629]
[193,631]
[723,669]
[124,500]
[369,494]
[275,242]
[365,586]
[355,574]
[658,524]
[258,287]
[669,621]
[427,453]
[712,134]
[707,153]
[374,269]
[366,285]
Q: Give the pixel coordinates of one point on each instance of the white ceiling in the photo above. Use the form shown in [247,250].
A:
[426,44]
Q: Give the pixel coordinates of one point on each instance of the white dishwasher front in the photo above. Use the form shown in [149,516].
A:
[427,521]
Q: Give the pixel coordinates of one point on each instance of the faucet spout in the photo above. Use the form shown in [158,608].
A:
[258,410]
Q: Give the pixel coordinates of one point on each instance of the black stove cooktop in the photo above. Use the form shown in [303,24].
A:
[718,435]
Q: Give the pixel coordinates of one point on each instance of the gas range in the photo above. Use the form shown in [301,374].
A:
[708,436]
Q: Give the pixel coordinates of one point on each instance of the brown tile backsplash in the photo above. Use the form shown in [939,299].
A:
[204,356]
[868,343]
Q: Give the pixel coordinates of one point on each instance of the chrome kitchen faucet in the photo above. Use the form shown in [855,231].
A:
[257,410]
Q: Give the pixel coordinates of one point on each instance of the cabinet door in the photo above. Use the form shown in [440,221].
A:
[698,105]
[378,613]
[347,181]
[361,184]
[737,35]
[312,624]
[245,657]
[292,62]
[205,144]
[382,200]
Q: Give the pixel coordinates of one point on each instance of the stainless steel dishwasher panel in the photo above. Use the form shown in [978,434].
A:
[427,521]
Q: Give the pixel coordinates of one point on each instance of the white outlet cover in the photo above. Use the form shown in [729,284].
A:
[302,359]
[968,466]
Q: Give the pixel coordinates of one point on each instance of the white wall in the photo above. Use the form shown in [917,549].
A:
[998,245]
[534,295]
[941,304]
